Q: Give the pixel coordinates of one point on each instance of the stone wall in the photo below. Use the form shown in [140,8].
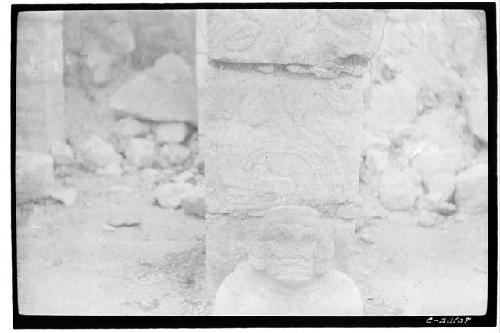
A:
[282,121]
[39,80]
[40,116]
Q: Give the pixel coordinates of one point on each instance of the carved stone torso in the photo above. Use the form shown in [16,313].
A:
[249,292]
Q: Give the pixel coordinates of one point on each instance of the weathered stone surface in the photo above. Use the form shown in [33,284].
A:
[441,187]
[150,176]
[128,127]
[62,153]
[96,152]
[170,195]
[193,202]
[342,38]
[187,176]
[471,195]
[173,155]
[433,160]
[34,175]
[113,169]
[163,92]
[290,261]
[39,80]
[399,189]
[228,239]
[376,160]
[392,105]
[39,46]
[279,139]
[170,132]
[477,107]
[158,32]
[428,220]
[140,152]
[106,41]
[128,167]
[444,208]
[66,195]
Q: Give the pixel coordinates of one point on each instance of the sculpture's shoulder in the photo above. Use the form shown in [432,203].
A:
[233,290]
[347,294]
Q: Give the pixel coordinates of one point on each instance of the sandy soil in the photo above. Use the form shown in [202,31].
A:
[84,260]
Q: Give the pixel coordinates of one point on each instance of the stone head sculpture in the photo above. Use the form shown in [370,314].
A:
[289,245]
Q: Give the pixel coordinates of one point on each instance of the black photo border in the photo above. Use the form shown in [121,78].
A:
[21,321]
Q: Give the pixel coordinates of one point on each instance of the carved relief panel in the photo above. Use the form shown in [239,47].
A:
[291,36]
[279,139]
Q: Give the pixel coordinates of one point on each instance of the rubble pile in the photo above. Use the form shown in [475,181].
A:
[131,101]
[425,124]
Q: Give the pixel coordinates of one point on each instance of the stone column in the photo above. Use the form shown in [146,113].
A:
[281,122]
[39,80]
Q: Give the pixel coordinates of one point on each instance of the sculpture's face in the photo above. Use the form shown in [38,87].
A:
[289,251]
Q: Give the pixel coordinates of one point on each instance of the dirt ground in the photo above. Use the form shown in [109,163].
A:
[114,253]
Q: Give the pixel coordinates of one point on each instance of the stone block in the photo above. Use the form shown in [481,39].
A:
[164,92]
[471,194]
[173,155]
[97,153]
[170,195]
[140,152]
[170,132]
[399,189]
[127,128]
[34,176]
[279,138]
[313,37]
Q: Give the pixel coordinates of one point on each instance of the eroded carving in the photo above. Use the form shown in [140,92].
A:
[309,37]
[289,271]
[279,142]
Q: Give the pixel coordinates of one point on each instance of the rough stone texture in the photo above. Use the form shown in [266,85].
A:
[127,128]
[290,260]
[170,195]
[39,80]
[399,189]
[432,160]
[193,202]
[259,130]
[173,155]
[477,108]
[96,152]
[312,37]
[228,239]
[66,195]
[34,176]
[163,92]
[62,153]
[471,194]
[141,152]
[376,160]
[441,187]
[113,169]
[428,93]
[151,177]
[107,40]
[392,105]
[170,132]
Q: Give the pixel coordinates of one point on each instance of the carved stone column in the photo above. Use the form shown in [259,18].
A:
[281,122]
